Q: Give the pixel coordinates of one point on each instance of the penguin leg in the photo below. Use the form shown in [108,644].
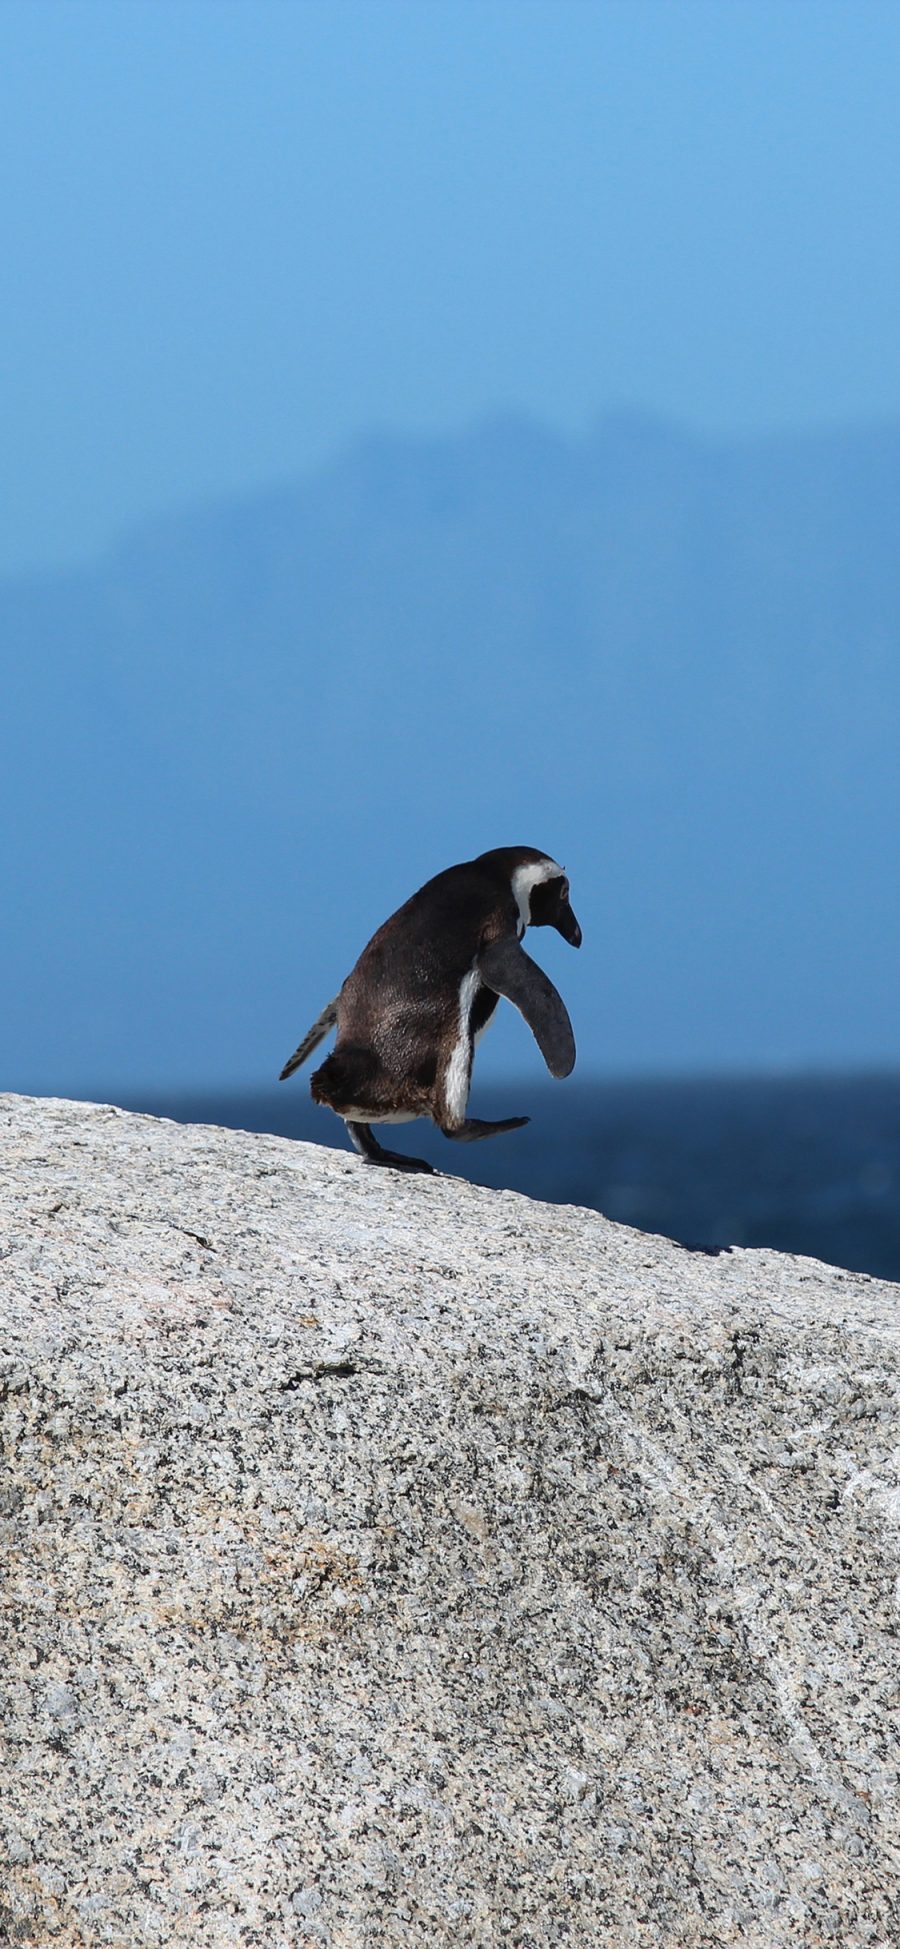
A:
[361,1138]
[475,1127]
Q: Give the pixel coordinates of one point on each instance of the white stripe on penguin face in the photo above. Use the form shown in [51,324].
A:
[523,883]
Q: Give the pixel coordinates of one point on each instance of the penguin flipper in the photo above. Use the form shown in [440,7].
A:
[509,971]
[311,1040]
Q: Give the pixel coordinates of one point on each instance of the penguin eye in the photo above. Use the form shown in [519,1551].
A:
[564,890]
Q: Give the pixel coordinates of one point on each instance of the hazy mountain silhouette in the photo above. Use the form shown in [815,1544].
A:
[232,745]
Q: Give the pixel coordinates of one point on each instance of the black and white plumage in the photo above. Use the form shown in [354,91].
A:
[425,988]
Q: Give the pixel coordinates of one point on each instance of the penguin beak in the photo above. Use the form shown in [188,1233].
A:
[567,925]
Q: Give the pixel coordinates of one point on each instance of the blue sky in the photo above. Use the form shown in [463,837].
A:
[234,235]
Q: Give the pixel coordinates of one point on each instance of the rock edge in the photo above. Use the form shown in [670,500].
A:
[391,1561]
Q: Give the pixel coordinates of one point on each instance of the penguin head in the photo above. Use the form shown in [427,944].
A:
[549,907]
[541,891]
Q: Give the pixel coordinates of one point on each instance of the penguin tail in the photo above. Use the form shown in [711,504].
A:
[311,1040]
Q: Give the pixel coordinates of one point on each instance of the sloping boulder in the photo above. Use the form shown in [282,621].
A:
[389,1561]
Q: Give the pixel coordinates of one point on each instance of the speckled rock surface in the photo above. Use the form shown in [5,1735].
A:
[388,1561]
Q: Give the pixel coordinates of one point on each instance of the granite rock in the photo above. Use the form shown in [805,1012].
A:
[390,1561]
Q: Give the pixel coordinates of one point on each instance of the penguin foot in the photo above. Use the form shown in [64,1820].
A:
[475,1127]
[361,1138]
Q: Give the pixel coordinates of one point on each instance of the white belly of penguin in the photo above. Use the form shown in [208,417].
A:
[459,1068]
[356,1114]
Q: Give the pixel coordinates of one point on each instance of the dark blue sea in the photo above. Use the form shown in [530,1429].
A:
[806,1164]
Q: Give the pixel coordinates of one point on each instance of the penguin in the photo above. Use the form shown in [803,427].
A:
[424,990]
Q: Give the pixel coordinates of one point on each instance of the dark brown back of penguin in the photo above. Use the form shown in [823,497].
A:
[400,1003]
